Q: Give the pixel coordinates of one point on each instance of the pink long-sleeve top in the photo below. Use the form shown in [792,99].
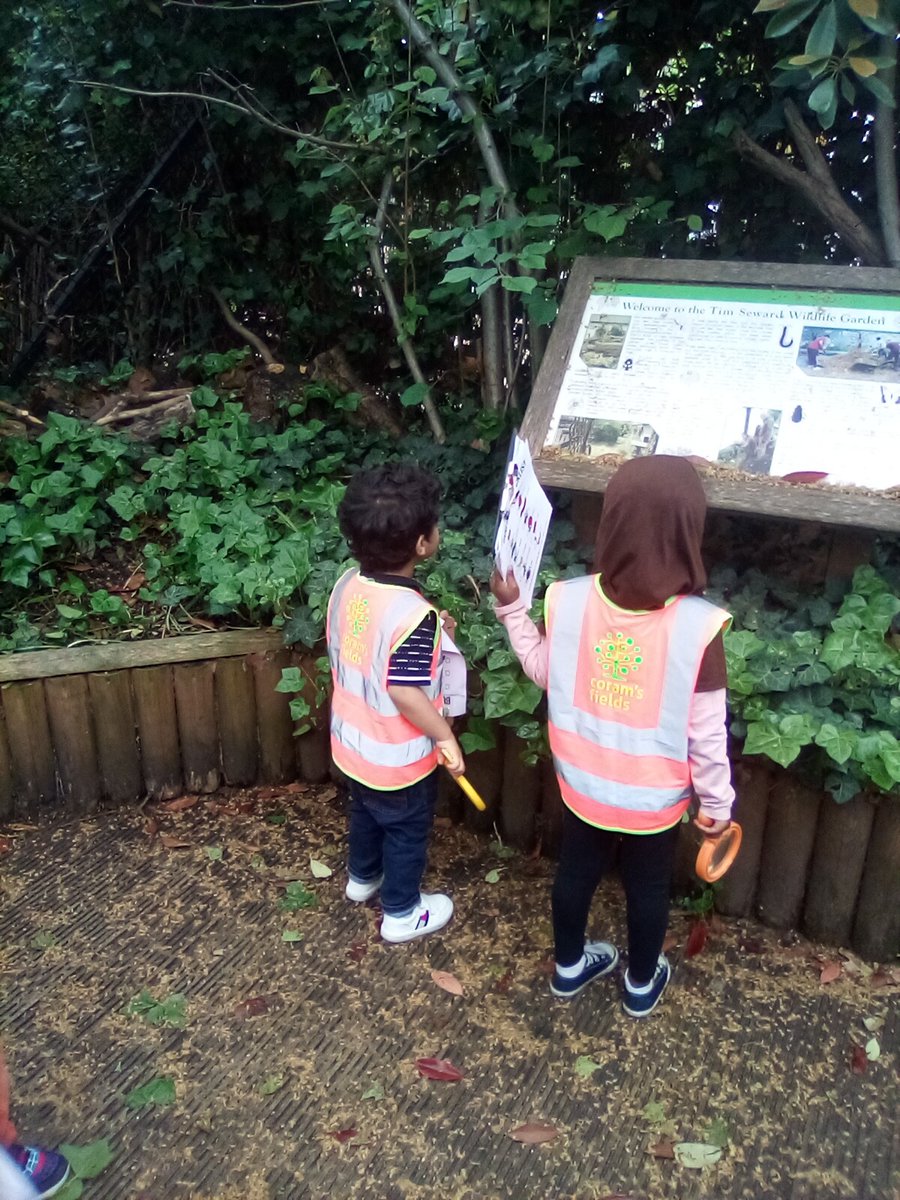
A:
[707,739]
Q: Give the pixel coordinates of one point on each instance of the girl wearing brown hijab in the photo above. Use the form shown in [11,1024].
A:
[634,668]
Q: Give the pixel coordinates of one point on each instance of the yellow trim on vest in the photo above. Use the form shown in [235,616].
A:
[374,787]
[623,829]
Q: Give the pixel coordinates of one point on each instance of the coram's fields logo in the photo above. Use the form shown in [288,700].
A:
[618,656]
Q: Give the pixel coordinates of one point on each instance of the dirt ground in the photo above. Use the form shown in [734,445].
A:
[311,1089]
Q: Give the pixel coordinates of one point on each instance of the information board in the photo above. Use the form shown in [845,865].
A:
[759,372]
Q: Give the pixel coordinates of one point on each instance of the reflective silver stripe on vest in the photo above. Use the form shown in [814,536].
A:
[618,795]
[380,754]
[686,646]
[368,687]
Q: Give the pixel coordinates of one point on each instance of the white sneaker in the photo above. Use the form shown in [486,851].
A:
[432,912]
[359,892]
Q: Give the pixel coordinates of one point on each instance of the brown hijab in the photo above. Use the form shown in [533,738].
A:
[649,543]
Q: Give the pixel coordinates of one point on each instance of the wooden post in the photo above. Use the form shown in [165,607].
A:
[787,848]
[314,749]
[838,858]
[30,746]
[737,889]
[154,697]
[876,929]
[484,770]
[6,773]
[196,713]
[520,795]
[277,763]
[236,708]
[115,728]
[69,710]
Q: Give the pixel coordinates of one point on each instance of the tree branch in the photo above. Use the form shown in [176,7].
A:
[248,111]
[393,308]
[256,342]
[448,76]
[825,200]
[886,156]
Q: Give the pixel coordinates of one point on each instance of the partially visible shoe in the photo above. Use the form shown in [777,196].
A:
[360,892]
[600,959]
[45,1170]
[432,913]
[640,1002]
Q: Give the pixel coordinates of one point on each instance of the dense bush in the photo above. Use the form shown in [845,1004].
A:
[235,522]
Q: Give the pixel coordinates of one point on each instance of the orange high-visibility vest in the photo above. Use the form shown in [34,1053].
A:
[371,741]
[619,698]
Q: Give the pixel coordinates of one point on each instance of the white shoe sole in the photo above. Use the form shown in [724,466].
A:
[400,938]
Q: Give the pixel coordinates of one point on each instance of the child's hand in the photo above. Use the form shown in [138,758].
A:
[447,623]
[709,827]
[452,756]
[505,591]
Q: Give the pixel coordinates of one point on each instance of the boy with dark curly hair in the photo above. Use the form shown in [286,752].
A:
[388,733]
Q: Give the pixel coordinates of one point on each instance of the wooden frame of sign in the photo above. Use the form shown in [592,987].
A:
[769,497]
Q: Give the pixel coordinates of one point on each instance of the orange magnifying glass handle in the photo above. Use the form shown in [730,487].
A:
[716,855]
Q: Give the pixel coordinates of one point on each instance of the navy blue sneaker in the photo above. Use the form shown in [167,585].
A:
[45,1170]
[640,1002]
[601,958]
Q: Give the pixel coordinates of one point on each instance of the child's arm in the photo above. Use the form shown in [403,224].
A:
[528,643]
[708,758]
[414,704]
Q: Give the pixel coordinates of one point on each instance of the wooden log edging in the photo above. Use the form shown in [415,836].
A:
[189,714]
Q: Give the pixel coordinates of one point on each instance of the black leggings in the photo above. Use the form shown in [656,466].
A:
[587,854]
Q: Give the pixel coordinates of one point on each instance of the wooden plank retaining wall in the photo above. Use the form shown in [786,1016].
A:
[113,724]
[116,723]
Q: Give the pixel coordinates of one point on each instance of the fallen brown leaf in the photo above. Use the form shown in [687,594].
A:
[357,952]
[151,827]
[662,1149]
[179,805]
[256,1006]
[441,1069]
[696,938]
[672,940]
[174,843]
[534,1133]
[295,788]
[448,982]
[858,1061]
[342,1135]
[504,983]
[830,972]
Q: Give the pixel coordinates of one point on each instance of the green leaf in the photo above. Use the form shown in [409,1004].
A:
[414,394]
[319,869]
[718,1133]
[694,223]
[291,935]
[518,283]
[159,1092]
[654,1112]
[159,1012]
[478,736]
[879,90]
[585,1066]
[790,17]
[823,95]
[838,743]
[44,940]
[873,1050]
[72,1189]
[375,1092]
[696,1155]
[297,897]
[273,1084]
[542,150]
[493,876]
[213,853]
[87,1162]
[822,36]
[762,738]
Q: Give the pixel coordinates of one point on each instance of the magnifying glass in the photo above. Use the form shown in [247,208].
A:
[716,855]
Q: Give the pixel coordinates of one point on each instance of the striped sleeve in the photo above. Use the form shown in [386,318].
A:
[411,662]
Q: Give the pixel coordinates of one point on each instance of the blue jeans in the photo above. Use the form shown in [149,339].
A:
[389,833]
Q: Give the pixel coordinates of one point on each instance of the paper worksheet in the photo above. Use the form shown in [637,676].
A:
[453,677]
[523,521]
